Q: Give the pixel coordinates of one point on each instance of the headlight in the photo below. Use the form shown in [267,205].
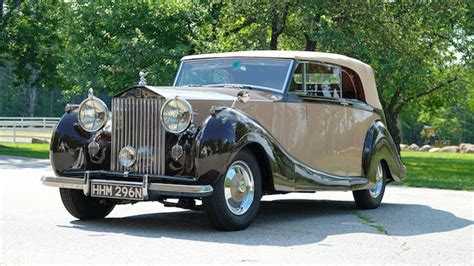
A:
[93,114]
[176,115]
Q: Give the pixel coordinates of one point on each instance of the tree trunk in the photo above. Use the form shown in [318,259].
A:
[397,104]
[1,8]
[309,34]
[31,89]
[274,41]
[278,23]
[51,100]
[32,95]
[392,124]
[310,45]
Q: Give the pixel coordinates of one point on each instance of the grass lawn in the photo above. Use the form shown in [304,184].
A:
[439,170]
[26,150]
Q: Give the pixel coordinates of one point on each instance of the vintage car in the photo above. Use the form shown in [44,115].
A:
[233,127]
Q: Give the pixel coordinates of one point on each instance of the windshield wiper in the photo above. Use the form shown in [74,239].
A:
[192,85]
[237,86]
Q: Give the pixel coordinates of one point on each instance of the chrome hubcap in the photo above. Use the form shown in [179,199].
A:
[375,192]
[239,188]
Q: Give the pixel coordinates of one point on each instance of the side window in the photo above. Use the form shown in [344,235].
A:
[323,80]
[317,79]
[296,85]
[351,85]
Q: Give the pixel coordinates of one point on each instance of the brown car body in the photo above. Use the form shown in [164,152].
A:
[308,135]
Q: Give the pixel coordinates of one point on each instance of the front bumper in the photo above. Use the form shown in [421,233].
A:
[150,189]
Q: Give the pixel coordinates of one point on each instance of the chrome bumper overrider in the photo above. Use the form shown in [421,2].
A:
[149,188]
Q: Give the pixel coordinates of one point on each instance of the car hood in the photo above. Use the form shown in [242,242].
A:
[203,98]
[198,93]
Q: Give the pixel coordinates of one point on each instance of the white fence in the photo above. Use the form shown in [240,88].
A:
[22,129]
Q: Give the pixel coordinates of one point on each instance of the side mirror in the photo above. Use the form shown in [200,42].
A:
[243,96]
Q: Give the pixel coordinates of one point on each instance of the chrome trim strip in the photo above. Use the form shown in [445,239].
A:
[115,182]
[305,86]
[113,142]
[286,85]
[156,143]
[145,187]
[86,186]
[195,189]
[63,182]
[178,73]
[160,188]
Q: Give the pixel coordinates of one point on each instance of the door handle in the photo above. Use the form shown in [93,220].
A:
[344,103]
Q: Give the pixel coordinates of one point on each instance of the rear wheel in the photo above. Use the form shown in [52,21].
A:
[371,198]
[82,207]
[236,198]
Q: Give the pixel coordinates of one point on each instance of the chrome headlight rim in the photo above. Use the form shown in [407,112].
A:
[106,118]
[187,124]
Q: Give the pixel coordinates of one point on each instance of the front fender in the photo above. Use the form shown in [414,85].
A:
[68,149]
[224,134]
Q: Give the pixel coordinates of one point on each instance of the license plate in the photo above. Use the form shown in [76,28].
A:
[116,191]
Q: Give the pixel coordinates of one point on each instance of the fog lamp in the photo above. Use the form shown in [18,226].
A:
[127,156]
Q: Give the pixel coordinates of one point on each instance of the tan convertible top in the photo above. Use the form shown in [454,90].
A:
[365,72]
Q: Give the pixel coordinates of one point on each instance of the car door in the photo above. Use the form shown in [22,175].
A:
[360,117]
[316,119]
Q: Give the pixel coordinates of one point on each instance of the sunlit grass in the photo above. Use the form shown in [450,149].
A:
[25,150]
[439,170]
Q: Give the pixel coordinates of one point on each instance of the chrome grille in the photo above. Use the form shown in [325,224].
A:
[136,123]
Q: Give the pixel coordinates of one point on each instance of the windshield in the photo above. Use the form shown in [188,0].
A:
[263,73]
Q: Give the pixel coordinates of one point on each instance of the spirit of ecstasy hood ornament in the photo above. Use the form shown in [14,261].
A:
[142,81]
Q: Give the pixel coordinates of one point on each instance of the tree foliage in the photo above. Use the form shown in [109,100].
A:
[31,49]
[420,51]
[108,43]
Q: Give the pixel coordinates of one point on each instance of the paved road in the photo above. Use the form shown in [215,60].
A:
[412,226]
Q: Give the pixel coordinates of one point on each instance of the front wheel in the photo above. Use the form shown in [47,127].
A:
[82,207]
[371,198]
[236,198]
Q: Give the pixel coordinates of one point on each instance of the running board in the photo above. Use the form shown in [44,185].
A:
[313,180]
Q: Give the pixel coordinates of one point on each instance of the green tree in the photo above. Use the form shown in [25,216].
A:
[109,42]
[63,48]
[31,49]
[453,114]
[416,49]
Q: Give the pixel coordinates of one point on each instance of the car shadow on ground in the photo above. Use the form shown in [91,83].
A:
[286,223]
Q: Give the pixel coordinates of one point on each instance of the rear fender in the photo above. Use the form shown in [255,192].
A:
[379,146]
